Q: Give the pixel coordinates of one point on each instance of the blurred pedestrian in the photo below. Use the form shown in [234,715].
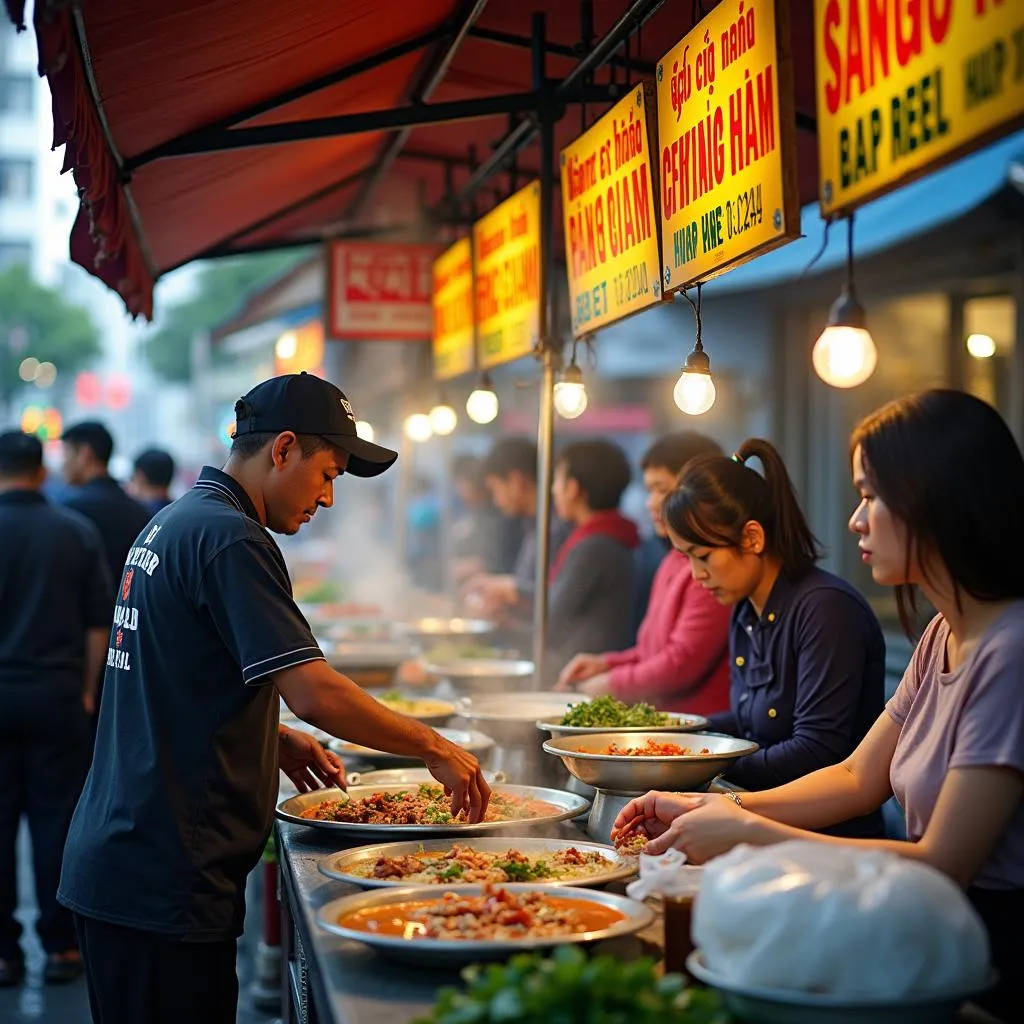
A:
[56,601]
[479,530]
[150,483]
[88,447]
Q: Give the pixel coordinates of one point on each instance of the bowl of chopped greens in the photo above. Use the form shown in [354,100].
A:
[569,987]
[604,714]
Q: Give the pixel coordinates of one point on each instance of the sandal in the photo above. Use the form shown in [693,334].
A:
[12,972]
[63,968]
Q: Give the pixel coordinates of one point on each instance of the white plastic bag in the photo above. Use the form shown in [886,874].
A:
[667,875]
[808,917]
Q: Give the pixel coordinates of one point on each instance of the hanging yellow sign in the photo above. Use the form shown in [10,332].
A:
[611,222]
[506,266]
[727,132]
[904,86]
[454,337]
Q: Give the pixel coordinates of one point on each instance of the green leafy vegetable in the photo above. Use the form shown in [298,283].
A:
[437,816]
[518,871]
[607,711]
[569,988]
[453,870]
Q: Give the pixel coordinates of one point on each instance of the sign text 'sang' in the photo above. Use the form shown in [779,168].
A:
[904,86]
[454,334]
[609,209]
[727,138]
[509,285]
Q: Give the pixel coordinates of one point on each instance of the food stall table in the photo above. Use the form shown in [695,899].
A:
[330,980]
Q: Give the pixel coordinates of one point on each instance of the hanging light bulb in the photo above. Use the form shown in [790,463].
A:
[443,419]
[695,392]
[844,355]
[482,404]
[571,392]
[417,427]
[364,430]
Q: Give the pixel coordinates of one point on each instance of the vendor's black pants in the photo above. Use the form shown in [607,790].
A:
[44,755]
[138,977]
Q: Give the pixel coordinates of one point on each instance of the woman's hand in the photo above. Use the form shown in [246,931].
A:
[712,825]
[581,668]
[599,686]
[306,762]
[653,814]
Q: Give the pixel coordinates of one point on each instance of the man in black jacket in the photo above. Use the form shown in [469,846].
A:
[56,602]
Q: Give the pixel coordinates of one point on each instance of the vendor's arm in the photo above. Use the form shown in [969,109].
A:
[247,594]
[698,642]
[832,641]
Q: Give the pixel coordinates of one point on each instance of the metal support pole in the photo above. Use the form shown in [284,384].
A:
[546,420]
[447,548]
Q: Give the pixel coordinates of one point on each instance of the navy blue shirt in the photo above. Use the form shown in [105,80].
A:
[54,588]
[118,517]
[180,797]
[808,681]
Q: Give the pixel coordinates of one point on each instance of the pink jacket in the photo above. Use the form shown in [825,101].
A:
[681,658]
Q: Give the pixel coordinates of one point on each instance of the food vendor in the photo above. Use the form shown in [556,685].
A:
[806,652]
[941,484]
[680,660]
[180,797]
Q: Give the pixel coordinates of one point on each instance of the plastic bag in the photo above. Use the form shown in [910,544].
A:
[667,875]
[809,917]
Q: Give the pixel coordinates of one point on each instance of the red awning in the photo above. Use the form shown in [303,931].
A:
[150,99]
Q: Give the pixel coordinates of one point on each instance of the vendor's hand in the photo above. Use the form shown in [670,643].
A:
[652,813]
[581,668]
[488,595]
[710,826]
[463,780]
[599,686]
[306,762]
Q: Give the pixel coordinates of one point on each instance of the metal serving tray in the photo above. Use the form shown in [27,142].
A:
[675,723]
[342,865]
[475,742]
[452,952]
[568,805]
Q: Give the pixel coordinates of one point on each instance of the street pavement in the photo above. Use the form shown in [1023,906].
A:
[69,1004]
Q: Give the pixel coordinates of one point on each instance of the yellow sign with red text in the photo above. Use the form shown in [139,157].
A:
[611,223]
[727,138]
[506,266]
[454,335]
[906,85]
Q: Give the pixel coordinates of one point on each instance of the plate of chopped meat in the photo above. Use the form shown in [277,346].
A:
[444,862]
[636,762]
[424,810]
[468,923]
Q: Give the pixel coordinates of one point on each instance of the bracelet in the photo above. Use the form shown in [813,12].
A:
[733,796]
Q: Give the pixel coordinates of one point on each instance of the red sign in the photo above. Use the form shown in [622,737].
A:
[380,292]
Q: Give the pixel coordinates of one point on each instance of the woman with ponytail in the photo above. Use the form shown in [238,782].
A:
[806,652]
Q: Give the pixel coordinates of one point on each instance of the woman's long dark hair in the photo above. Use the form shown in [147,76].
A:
[717,496]
[947,466]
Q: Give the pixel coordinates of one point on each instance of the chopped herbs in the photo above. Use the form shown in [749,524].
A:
[607,711]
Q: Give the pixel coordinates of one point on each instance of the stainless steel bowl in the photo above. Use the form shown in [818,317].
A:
[676,723]
[627,774]
[370,665]
[404,777]
[469,739]
[636,916]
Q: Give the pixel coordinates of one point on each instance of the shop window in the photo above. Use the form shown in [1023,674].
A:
[15,179]
[17,94]
[990,330]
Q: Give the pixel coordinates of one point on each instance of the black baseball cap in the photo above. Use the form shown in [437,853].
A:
[306,404]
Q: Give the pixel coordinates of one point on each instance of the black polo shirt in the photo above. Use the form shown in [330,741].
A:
[54,588]
[118,517]
[180,797]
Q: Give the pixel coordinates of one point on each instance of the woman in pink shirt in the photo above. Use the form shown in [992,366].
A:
[680,661]
[941,483]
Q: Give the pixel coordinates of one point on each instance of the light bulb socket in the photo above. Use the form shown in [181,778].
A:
[572,374]
[486,384]
[698,362]
[847,311]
